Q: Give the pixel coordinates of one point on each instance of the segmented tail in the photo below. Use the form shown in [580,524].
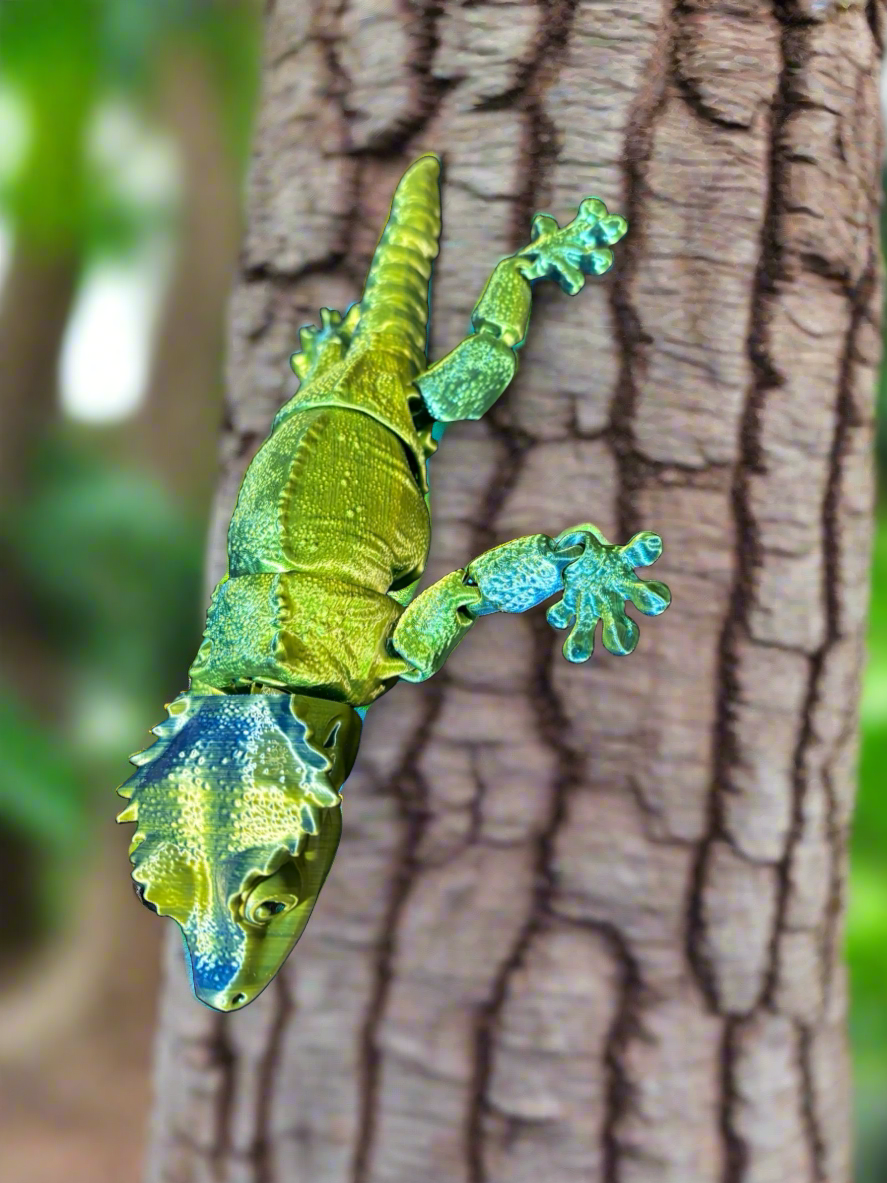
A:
[395,296]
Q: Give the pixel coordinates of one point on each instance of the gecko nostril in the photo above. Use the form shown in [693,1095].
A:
[238,999]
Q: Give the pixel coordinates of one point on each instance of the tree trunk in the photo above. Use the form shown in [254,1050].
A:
[585,922]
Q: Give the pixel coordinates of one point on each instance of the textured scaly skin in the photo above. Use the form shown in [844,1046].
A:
[331,514]
[238,801]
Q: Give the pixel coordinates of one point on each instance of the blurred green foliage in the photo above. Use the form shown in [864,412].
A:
[867,917]
[110,562]
[41,794]
[113,572]
[60,58]
[867,914]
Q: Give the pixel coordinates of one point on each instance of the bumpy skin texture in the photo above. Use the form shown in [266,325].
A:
[238,804]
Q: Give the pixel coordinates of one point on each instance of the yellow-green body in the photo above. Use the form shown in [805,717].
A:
[238,802]
[330,519]
[332,514]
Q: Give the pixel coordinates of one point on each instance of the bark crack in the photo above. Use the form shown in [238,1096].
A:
[860,296]
[873,16]
[748,547]
[411,793]
[682,16]
[340,83]
[837,838]
[809,1118]
[515,447]
[736,626]
[553,725]
[795,50]
[422,20]
[625,1026]
[260,1149]
[540,149]
[645,109]
[736,1156]
[283,279]
[540,146]
[223,1059]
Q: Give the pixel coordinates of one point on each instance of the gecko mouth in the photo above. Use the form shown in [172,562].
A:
[139,889]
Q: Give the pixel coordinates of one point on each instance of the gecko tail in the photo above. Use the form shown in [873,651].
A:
[395,296]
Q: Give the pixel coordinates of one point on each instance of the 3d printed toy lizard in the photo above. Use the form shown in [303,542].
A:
[238,801]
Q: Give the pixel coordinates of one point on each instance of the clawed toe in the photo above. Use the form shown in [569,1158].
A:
[597,583]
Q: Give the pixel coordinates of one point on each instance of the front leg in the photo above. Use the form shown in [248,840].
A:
[595,576]
[467,381]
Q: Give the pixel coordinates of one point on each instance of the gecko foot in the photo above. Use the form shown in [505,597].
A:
[326,345]
[567,254]
[597,582]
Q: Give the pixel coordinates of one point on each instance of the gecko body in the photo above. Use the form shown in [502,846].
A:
[238,802]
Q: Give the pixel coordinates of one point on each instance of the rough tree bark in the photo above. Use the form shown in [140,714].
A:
[585,923]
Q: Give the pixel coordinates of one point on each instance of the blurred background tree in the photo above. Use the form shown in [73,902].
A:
[124,130]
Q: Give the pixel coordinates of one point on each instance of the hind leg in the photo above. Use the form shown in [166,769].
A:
[322,348]
[467,381]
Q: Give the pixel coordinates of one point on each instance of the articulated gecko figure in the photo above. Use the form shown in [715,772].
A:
[237,802]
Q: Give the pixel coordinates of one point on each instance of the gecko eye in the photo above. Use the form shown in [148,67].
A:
[262,913]
[272,896]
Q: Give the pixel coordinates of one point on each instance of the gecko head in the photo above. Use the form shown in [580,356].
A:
[238,816]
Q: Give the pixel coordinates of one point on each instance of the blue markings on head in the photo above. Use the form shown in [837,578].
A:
[210,977]
[239,796]
[211,980]
[222,733]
